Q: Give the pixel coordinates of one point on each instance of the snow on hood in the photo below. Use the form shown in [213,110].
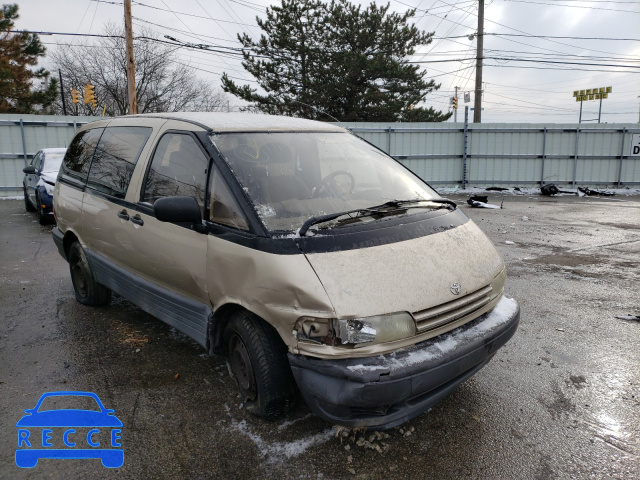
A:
[49,177]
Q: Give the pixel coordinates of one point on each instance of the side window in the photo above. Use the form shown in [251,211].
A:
[178,168]
[223,207]
[115,158]
[77,160]
[37,161]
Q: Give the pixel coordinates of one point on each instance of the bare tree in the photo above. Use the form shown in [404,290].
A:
[163,83]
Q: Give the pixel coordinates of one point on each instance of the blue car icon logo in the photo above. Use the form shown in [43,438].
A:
[52,430]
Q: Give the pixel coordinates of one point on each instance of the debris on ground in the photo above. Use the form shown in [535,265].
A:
[509,242]
[496,189]
[480,201]
[595,193]
[628,317]
[525,218]
[549,190]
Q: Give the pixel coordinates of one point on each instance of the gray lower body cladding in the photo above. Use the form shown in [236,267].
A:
[386,390]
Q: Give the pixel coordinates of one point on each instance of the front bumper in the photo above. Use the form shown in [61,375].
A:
[387,390]
[46,200]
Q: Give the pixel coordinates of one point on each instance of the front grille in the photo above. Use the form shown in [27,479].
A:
[449,312]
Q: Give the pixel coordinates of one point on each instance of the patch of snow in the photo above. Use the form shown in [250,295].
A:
[525,218]
[448,342]
[530,191]
[365,368]
[277,451]
[288,423]
[509,242]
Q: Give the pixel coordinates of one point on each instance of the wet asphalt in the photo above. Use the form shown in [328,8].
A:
[560,400]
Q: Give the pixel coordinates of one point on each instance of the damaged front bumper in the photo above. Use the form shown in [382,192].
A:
[386,390]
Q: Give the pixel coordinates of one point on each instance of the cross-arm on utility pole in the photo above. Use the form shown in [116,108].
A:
[477,101]
[131,70]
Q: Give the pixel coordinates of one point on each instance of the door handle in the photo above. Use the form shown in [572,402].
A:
[137,220]
[123,215]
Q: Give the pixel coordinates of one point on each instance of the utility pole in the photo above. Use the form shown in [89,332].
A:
[455,110]
[131,70]
[477,101]
[64,104]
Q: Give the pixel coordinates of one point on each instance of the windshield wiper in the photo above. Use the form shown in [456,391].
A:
[379,209]
[399,203]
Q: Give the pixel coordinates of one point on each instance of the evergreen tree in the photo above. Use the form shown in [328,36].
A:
[321,60]
[18,52]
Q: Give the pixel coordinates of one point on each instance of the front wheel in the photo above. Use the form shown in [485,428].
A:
[43,219]
[87,290]
[258,362]
[27,203]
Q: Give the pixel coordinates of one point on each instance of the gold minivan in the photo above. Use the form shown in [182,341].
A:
[314,261]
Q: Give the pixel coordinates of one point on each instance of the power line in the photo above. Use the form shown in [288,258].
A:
[573,6]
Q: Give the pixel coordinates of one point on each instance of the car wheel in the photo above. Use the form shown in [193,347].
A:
[27,204]
[258,361]
[43,219]
[87,290]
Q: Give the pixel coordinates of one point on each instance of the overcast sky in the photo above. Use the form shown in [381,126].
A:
[515,91]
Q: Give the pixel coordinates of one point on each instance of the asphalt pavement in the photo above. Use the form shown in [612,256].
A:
[560,400]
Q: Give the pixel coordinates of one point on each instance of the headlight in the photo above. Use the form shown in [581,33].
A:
[356,332]
[49,188]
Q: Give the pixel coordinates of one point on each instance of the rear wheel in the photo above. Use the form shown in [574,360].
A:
[258,362]
[27,204]
[87,290]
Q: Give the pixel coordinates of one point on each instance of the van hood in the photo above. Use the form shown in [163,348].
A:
[410,275]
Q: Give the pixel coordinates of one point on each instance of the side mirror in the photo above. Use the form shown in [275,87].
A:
[29,170]
[178,210]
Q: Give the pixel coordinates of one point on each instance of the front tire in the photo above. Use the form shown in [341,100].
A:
[87,290]
[258,362]
[42,217]
[27,204]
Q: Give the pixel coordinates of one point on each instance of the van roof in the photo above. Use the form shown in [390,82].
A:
[247,122]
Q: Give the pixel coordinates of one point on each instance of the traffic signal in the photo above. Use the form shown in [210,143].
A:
[455,102]
[75,96]
[89,94]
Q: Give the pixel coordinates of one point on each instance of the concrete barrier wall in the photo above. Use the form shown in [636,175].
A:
[443,154]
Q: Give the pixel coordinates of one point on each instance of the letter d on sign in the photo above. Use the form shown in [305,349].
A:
[635,145]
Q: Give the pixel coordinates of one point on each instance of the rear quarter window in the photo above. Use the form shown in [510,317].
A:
[115,158]
[77,160]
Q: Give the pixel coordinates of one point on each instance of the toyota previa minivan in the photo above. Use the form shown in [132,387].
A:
[315,262]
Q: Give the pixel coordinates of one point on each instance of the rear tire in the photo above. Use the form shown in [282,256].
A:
[87,290]
[27,204]
[258,362]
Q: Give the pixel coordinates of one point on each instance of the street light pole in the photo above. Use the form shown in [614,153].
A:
[477,101]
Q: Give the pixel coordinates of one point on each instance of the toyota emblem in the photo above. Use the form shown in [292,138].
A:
[455,288]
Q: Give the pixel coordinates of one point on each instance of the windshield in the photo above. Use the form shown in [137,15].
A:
[291,177]
[69,402]
[52,162]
